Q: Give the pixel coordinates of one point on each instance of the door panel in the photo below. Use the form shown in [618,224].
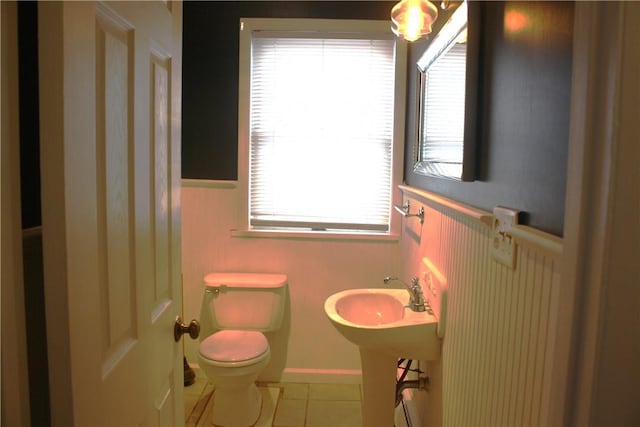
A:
[115,249]
[159,65]
[114,246]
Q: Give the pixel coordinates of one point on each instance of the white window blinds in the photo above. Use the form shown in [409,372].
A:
[321,125]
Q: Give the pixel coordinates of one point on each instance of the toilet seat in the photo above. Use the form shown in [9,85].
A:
[234,348]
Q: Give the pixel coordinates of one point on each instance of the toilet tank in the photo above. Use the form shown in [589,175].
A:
[252,301]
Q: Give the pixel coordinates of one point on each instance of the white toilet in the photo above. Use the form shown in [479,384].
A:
[236,309]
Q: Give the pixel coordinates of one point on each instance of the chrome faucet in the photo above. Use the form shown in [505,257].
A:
[416,297]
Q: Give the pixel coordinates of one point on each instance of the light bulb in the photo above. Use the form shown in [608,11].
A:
[412,19]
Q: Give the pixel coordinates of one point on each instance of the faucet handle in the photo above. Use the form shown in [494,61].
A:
[388,279]
[417,302]
[415,287]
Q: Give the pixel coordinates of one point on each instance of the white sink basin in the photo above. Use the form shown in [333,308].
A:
[370,308]
[377,320]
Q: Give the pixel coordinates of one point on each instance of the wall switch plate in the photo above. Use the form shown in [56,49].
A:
[436,293]
[427,277]
[504,247]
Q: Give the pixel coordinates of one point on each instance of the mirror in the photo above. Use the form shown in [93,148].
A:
[447,70]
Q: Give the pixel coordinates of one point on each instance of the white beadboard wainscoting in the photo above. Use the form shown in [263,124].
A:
[496,359]
[495,366]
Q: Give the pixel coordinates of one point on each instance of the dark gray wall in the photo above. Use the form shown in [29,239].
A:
[29,121]
[31,217]
[523,112]
[210,73]
[523,105]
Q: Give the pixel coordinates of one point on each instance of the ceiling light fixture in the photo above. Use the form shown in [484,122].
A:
[412,19]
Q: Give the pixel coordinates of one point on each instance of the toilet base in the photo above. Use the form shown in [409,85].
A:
[236,406]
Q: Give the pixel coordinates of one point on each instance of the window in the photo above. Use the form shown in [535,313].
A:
[320,124]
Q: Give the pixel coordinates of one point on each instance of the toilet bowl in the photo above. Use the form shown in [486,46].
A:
[233,351]
[233,360]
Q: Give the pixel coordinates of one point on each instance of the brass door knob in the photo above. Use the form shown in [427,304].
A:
[179,328]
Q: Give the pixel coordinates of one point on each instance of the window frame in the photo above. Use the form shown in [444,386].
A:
[249,25]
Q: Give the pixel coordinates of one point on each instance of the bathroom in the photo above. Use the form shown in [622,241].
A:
[526,112]
[316,268]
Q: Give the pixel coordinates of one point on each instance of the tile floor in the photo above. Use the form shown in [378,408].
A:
[284,404]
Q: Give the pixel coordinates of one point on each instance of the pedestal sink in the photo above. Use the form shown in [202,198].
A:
[377,321]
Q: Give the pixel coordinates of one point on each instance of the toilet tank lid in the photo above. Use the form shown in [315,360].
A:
[245,280]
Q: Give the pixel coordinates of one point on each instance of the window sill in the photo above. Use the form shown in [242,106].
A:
[314,235]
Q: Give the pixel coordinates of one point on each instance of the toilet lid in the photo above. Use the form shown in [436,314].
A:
[234,346]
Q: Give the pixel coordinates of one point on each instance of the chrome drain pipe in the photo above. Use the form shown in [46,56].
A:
[422,383]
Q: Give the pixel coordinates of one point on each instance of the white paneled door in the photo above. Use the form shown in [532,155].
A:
[110,90]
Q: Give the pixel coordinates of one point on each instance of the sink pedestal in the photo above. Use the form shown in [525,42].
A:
[384,329]
[379,372]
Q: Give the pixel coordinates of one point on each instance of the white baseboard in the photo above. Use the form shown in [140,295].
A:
[407,413]
[322,376]
[316,376]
